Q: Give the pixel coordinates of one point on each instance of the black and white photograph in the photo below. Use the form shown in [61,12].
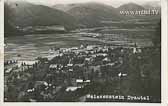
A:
[82,51]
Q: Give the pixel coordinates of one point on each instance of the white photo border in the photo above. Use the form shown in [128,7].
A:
[164,71]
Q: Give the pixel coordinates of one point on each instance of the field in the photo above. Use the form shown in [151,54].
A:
[38,45]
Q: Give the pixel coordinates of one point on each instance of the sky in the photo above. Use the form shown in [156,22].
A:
[114,3]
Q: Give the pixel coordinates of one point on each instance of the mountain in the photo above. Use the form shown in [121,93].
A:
[64,7]
[23,14]
[92,14]
[152,5]
[131,7]
[9,29]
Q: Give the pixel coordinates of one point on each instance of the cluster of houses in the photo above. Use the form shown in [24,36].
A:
[84,61]
[18,65]
[76,67]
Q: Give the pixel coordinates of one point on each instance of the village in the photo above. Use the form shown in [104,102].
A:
[69,74]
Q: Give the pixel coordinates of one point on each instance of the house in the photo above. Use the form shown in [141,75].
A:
[90,47]
[39,83]
[8,70]
[70,70]
[79,80]
[87,81]
[101,54]
[81,83]
[31,90]
[71,89]
[53,66]
[122,75]
[111,64]
[69,65]
[106,59]
[74,48]
[87,59]
[137,50]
